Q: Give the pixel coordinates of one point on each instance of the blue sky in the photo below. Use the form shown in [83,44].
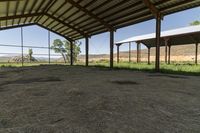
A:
[99,44]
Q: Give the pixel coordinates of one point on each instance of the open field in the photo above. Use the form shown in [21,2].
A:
[187,68]
[64,99]
[180,53]
[3,64]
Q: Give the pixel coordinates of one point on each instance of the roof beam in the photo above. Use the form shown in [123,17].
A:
[181,3]
[23,10]
[16,26]
[153,9]
[193,38]
[7,11]
[16,8]
[20,16]
[59,8]
[54,32]
[30,24]
[95,8]
[62,14]
[8,0]
[30,11]
[91,24]
[89,4]
[37,10]
[48,6]
[72,13]
[108,26]
[66,24]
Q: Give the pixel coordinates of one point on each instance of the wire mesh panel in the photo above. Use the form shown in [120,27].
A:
[56,58]
[31,55]
[8,55]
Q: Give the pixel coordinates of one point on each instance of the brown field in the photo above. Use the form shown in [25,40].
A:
[178,54]
[63,99]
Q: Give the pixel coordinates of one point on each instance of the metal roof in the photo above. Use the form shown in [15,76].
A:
[75,19]
[180,36]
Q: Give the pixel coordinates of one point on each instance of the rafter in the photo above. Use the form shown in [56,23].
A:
[153,9]
[66,24]
[179,3]
[33,5]
[39,14]
[72,13]
[48,6]
[95,8]
[81,18]
[64,30]
[16,26]
[116,12]
[8,0]
[23,10]
[140,14]
[54,32]
[66,11]
[108,26]
[89,4]
[55,26]
[59,8]
[15,13]
[114,6]
[37,10]
[7,11]
[19,16]
[30,24]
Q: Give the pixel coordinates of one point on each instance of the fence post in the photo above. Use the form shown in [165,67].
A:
[22,46]
[49,37]
[129,52]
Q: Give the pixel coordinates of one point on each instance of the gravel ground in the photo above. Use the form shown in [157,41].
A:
[64,99]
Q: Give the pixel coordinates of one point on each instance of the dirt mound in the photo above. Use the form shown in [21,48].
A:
[26,58]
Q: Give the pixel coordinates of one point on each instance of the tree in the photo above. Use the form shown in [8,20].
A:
[63,47]
[195,23]
[30,53]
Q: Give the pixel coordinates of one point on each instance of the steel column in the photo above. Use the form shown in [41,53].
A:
[86,51]
[169,54]
[196,54]
[149,54]
[138,52]
[118,53]
[49,48]
[22,46]
[158,33]
[71,53]
[129,52]
[111,48]
[166,45]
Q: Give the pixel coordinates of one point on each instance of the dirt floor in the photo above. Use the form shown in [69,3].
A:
[63,99]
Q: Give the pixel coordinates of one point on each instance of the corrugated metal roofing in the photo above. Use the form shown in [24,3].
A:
[186,35]
[75,19]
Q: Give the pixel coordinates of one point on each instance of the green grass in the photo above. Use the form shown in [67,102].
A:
[184,68]
[2,64]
